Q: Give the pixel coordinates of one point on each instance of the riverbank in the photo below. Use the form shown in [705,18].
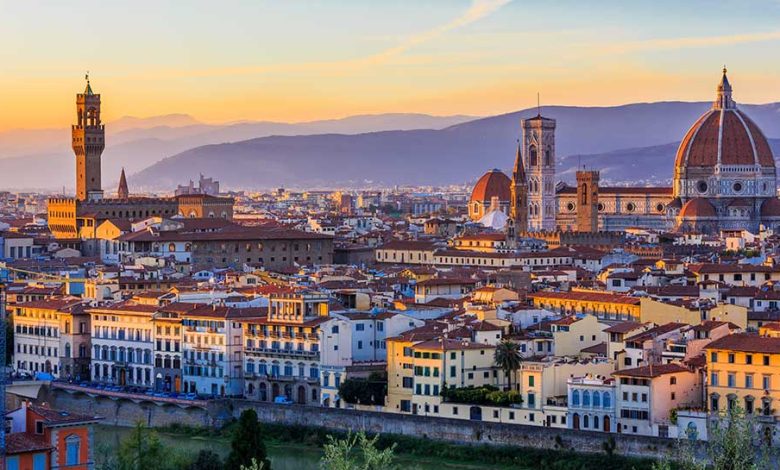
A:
[299,447]
[283,455]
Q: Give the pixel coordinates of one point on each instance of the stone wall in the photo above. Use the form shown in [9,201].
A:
[455,430]
[127,413]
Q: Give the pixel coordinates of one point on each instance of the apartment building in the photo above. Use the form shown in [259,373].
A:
[282,348]
[52,336]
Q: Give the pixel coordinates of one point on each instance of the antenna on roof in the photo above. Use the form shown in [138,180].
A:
[538,105]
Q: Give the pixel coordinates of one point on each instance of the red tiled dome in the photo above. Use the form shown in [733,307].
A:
[724,135]
[697,207]
[494,183]
[771,208]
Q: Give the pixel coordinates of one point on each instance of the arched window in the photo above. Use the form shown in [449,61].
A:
[585,419]
[548,157]
[532,157]
[595,422]
[607,401]
[575,398]
[72,448]
[596,400]
[171,247]
[586,399]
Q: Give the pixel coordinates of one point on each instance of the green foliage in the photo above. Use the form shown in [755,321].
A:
[254,466]
[609,446]
[141,450]
[484,395]
[206,460]
[340,454]
[247,443]
[732,442]
[508,358]
[486,455]
[365,392]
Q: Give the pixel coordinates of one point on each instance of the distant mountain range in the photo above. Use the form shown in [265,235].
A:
[631,143]
[628,143]
[42,158]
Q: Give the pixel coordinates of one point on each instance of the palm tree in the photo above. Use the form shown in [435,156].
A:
[508,358]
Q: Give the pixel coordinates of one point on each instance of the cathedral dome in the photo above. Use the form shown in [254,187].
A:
[492,184]
[771,208]
[723,136]
[697,208]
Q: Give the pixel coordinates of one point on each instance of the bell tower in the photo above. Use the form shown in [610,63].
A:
[539,158]
[88,141]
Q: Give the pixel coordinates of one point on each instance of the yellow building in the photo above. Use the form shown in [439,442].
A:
[420,364]
[573,333]
[654,311]
[606,306]
[744,369]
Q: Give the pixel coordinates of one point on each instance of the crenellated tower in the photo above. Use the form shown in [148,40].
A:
[88,141]
[539,158]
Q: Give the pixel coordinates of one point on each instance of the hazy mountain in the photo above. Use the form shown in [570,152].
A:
[455,154]
[135,143]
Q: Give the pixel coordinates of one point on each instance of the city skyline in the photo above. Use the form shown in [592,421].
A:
[478,58]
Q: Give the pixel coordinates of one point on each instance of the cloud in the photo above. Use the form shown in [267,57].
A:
[477,10]
[689,42]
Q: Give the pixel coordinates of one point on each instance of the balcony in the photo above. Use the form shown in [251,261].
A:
[282,352]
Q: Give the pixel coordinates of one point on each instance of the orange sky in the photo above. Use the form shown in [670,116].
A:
[296,61]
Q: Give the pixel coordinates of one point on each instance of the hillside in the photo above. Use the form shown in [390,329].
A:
[459,153]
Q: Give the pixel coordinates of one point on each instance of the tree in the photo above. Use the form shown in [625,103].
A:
[247,443]
[254,466]
[141,450]
[206,460]
[340,454]
[733,440]
[507,357]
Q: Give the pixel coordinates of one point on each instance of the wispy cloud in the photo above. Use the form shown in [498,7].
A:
[478,10]
[689,42]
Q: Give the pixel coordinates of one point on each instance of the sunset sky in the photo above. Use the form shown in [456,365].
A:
[302,60]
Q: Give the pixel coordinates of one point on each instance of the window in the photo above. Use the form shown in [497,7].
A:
[607,401]
[72,445]
[360,327]
[731,358]
[575,398]
[766,360]
[766,382]
[714,357]
[714,378]
[586,398]
[732,379]
[673,381]
[530,380]
[12,463]
[748,358]
[748,381]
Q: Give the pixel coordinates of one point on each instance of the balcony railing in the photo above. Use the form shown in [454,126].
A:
[282,352]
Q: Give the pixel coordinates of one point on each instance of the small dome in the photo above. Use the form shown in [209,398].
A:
[771,208]
[697,207]
[675,204]
[492,184]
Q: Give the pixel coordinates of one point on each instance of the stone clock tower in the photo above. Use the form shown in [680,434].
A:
[88,141]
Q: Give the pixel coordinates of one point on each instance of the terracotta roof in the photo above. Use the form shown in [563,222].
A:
[22,442]
[623,327]
[771,208]
[656,331]
[600,349]
[747,342]
[656,370]
[53,417]
[450,344]
[697,207]
[494,183]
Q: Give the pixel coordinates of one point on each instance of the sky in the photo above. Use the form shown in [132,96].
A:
[296,60]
